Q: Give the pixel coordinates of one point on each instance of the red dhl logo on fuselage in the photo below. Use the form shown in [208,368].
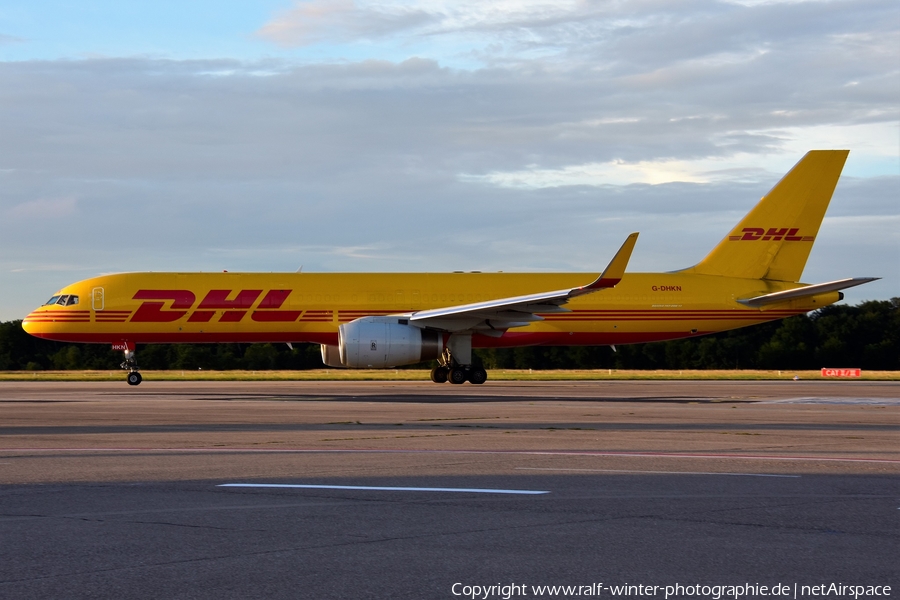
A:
[775,234]
[153,310]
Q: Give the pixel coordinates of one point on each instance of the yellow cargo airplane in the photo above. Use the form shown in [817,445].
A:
[378,320]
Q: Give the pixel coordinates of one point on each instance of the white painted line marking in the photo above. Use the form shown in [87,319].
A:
[835,400]
[655,472]
[380,488]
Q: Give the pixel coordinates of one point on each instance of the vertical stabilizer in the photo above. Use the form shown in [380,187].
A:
[774,240]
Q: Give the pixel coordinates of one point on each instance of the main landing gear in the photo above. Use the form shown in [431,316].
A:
[130,364]
[455,363]
[459,374]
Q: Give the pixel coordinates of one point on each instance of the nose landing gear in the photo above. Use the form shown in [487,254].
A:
[130,364]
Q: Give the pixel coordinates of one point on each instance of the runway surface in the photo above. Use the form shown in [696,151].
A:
[401,489]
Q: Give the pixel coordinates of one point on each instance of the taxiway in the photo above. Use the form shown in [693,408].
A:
[400,489]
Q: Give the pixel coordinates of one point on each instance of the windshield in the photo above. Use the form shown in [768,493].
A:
[63,300]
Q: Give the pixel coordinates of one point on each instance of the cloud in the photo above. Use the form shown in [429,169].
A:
[10,39]
[340,20]
[325,21]
[43,208]
[578,124]
[641,39]
[609,173]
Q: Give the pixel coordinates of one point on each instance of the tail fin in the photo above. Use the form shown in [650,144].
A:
[774,239]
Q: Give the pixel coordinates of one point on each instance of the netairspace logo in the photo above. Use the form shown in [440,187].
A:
[714,592]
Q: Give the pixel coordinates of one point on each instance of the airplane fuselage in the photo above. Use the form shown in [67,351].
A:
[145,308]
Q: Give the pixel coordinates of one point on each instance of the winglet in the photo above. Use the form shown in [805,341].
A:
[613,272]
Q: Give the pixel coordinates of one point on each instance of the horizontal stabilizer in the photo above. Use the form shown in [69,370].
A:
[806,291]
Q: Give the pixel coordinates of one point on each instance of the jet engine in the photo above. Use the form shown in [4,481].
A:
[381,342]
[331,355]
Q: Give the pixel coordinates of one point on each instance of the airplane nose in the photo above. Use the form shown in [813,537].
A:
[29,325]
[37,324]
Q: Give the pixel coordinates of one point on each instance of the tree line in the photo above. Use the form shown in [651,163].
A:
[866,335]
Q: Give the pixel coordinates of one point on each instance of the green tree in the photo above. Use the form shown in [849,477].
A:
[791,347]
[260,357]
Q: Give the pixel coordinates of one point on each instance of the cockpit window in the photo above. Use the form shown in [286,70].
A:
[63,300]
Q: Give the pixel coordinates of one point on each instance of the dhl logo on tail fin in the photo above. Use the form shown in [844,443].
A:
[752,234]
[791,212]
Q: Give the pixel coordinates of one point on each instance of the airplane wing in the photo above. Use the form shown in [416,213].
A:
[492,317]
[806,291]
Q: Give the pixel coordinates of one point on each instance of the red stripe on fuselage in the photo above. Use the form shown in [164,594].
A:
[510,339]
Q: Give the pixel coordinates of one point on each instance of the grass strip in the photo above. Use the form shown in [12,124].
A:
[423,375]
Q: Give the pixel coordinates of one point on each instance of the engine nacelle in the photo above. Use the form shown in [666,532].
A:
[382,342]
[331,356]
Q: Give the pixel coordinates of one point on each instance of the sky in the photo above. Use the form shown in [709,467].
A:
[434,136]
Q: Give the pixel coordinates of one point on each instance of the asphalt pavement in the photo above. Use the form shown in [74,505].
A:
[320,490]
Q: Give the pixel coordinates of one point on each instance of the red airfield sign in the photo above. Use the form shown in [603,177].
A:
[841,372]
